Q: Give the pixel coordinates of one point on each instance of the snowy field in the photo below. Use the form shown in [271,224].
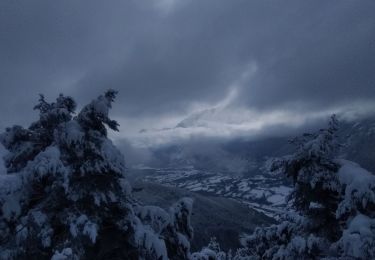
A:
[264,193]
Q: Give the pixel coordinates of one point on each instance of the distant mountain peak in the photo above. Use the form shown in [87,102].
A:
[198,119]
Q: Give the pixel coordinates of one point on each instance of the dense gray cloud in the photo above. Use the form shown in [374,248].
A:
[165,56]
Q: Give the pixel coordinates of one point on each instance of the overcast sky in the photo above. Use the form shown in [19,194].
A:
[257,62]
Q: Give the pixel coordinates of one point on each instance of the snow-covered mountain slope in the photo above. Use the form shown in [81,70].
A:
[232,157]
[359,141]
[245,156]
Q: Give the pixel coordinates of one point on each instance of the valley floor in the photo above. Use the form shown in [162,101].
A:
[263,193]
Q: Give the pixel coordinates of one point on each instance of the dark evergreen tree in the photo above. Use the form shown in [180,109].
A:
[313,169]
[333,201]
[72,201]
[24,144]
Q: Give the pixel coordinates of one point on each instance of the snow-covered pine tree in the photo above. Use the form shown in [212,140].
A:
[25,144]
[334,200]
[69,199]
[212,252]
[313,170]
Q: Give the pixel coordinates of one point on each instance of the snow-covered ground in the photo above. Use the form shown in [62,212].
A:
[264,193]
